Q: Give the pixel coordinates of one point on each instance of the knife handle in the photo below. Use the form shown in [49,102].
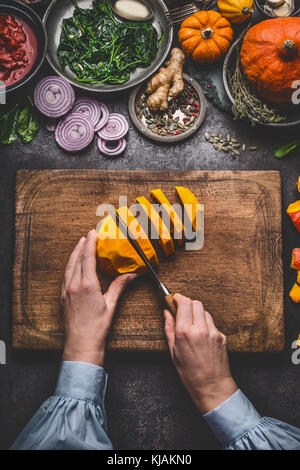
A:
[170,303]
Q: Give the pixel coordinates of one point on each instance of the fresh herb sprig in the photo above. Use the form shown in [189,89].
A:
[99,49]
[247,104]
[290,148]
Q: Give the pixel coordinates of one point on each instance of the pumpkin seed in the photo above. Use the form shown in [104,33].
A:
[253,148]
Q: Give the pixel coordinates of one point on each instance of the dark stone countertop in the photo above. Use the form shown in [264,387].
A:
[147,407]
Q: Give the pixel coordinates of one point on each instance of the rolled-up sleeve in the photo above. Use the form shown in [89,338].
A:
[74,417]
[238,426]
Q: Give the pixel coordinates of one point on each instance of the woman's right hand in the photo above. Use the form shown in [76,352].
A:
[199,353]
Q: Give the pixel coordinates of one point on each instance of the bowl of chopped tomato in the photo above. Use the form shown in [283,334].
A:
[23,45]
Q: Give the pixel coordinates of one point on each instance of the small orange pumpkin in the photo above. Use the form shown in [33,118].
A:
[205,36]
[270,57]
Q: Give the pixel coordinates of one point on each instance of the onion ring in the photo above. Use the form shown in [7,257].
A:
[104,116]
[112,152]
[90,108]
[75,132]
[116,127]
[51,124]
[54,97]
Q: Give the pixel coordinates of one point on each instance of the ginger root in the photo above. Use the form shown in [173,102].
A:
[167,82]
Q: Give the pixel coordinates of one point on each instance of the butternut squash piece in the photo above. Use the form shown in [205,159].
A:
[295,294]
[138,232]
[298,184]
[294,212]
[177,227]
[115,253]
[295,264]
[191,205]
[165,239]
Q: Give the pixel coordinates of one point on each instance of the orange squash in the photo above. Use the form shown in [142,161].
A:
[298,184]
[294,212]
[295,264]
[205,36]
[295,294]
[177,227]
[165,239]
[236,11]
[115,253]
[137,231]
[270,57]
[191,205]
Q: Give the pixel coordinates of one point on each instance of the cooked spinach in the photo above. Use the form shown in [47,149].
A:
[99,49]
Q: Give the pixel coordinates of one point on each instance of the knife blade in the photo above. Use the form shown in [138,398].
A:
[166,294]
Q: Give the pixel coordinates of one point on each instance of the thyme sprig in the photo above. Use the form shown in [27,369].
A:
[247,104]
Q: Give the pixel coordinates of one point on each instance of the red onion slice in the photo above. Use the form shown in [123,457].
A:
[112,151]
[54,96]
[115,128]
[90,108]
[51,124]
[104,116]
[75,132]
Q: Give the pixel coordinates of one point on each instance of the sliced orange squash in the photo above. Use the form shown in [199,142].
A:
[295,264]
[115,253]
[191,205]
[165,239]
[298,184]
[295,293]
[177,227]
[294,212]
[138,232]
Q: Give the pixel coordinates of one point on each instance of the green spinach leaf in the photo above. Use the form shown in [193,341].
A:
[28,123]
[8,131]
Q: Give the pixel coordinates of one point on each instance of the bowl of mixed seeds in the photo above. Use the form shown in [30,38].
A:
[183,117]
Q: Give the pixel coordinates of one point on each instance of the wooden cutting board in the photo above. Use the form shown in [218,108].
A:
[237,274]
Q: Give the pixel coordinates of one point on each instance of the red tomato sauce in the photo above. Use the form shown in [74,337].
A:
[18,49]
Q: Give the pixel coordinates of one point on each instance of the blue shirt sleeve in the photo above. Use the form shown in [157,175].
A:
[74,417]
[238,426]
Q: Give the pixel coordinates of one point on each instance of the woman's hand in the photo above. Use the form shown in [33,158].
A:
[87,312]
[199,354]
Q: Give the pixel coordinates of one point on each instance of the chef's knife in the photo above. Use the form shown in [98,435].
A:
[166,294]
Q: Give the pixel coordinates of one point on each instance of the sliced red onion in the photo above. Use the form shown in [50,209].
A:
[75,132]
[115,128]
[104,116]
[54,96]
[90,108]
[105,146]
[51,124]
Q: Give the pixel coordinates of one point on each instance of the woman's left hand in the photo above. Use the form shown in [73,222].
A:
[88,313]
